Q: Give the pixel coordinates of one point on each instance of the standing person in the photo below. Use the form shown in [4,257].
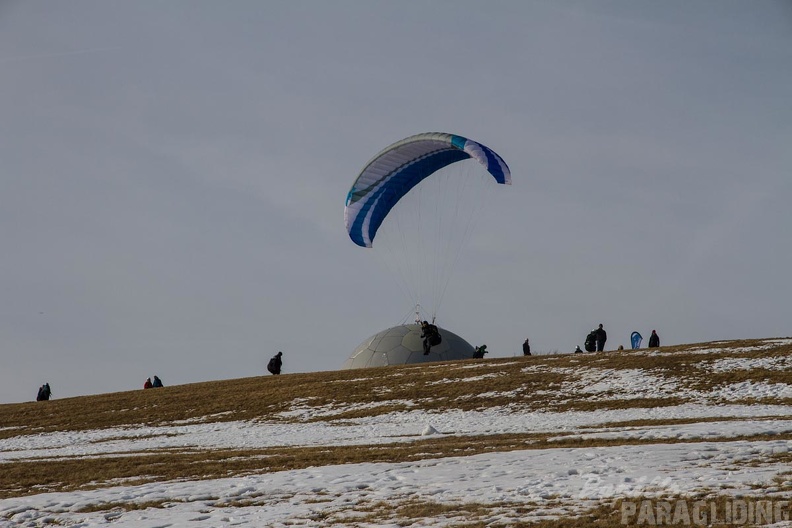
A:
[44,393]
[526,348]
[654,340]
[601,336]
[157,382]
[431,336]
[147,384]
[275,363]
[591,341]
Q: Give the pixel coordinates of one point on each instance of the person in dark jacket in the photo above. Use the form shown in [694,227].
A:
[480,351]
[157,382]
[654,340]
[44,393]
[431,336]
[591,341]
[526,348]
[601,336]
[275,363]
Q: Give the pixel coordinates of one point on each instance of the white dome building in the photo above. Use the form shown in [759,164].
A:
[402,345]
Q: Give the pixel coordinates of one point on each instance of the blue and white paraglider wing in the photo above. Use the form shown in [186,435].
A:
[402,166]
[636,339]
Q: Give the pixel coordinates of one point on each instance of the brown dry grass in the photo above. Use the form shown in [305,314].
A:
[525,383]
[66,474]
[533,383]
[607,514]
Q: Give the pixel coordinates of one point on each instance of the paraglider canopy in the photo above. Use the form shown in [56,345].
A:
[421,204]
[393,172]
[635,340]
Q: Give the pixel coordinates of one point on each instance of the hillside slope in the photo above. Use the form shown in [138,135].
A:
[531,414]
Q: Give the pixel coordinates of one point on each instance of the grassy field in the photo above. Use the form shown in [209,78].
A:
[704,373]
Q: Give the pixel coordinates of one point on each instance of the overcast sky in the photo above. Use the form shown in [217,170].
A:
[173,177]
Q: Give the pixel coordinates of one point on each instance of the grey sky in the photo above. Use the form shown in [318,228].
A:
[173,176]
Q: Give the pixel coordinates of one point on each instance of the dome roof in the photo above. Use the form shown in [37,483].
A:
[402,345]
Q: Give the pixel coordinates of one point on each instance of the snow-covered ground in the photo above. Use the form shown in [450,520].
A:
[394,427]
[674,459]
[554,481]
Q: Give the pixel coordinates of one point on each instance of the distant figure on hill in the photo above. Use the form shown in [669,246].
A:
[480,351]
[601,337]
[591,341]
[431,336]
[621,347]
[577,349]
[157,382]
[526,348]
[44,393]
[148,384]
[654,340]
[275,363]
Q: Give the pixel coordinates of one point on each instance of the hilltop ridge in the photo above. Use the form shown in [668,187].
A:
[672,375]
[706,392]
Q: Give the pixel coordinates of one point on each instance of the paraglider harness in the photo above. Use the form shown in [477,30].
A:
[431,336]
